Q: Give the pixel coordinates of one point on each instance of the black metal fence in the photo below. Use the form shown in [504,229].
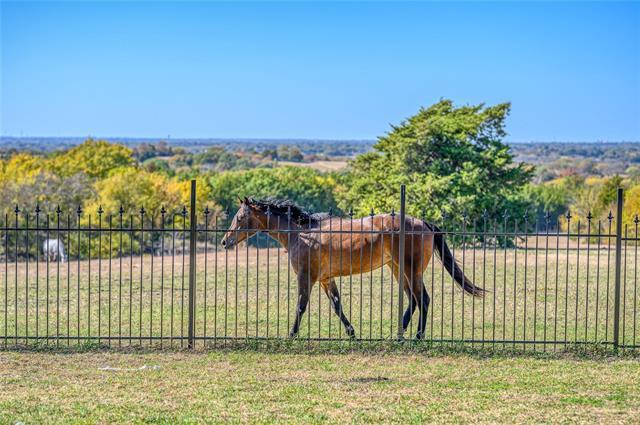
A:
[163,279]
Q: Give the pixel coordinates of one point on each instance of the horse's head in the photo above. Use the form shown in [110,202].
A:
[248,220]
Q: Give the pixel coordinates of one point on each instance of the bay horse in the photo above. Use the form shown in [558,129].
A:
[369,243]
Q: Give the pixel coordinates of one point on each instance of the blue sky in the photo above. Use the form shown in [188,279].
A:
[315,70]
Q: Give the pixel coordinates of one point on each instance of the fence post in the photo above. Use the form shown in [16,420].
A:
[401,262]
[192,266]
[616,309]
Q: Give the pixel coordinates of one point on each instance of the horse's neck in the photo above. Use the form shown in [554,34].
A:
[285,235]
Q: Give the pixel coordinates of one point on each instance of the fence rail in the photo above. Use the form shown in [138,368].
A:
[165,280]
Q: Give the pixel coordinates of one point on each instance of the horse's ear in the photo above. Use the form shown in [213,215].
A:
[246,200]
[240,200]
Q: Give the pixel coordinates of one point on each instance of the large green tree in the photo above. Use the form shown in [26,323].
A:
[451,158]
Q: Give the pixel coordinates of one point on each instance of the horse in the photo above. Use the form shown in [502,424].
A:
[370,243]
[53,250]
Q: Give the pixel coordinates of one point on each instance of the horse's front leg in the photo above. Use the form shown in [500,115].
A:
[331,290]
[304,286]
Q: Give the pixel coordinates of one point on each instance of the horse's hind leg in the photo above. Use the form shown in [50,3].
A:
[408,289]
[418,297]
[423,300]
[331,290]
[406,318]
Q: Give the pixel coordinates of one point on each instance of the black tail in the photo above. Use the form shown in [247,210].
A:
[451,265]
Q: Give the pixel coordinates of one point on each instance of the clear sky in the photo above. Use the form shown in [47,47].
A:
[315,70]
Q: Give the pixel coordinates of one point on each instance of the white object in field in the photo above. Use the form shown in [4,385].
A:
[53,250]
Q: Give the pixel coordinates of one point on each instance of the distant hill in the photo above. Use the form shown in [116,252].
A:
[552,159]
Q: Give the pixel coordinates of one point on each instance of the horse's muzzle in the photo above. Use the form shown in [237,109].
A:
[228,243]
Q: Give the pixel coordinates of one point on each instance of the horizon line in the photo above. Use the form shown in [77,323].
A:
[276,139]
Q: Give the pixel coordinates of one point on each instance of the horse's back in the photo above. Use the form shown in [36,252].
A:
[371,223]
[52,245]
[346,247]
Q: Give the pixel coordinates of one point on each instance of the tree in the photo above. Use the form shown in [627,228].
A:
[26,181]
[133,188]
[609,192]
[218,158]
[631,210]
[451,159]
[305,186]
[548,198]
[95,158]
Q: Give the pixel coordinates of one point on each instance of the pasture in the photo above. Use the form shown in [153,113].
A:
[253,386]
[561,296]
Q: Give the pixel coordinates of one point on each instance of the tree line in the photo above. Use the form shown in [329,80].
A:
[453,159]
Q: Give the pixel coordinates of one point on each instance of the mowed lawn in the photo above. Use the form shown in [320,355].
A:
[254,386]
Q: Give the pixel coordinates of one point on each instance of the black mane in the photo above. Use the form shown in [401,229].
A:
[280,207]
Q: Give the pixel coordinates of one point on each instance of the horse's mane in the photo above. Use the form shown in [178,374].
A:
[281,207]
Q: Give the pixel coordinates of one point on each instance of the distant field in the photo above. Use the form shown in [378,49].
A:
[318,165]
[560,295]
[247,386]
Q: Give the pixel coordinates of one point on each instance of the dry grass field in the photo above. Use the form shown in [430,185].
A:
[318,165]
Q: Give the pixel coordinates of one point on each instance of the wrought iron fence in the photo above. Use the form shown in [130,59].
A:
[163,279]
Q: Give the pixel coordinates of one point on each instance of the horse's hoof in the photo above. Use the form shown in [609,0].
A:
[351,332]
[420,335]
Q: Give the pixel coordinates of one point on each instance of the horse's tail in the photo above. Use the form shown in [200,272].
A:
[451,265]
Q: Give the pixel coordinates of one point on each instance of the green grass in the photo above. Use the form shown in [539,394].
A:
[257,298]
[254,386]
